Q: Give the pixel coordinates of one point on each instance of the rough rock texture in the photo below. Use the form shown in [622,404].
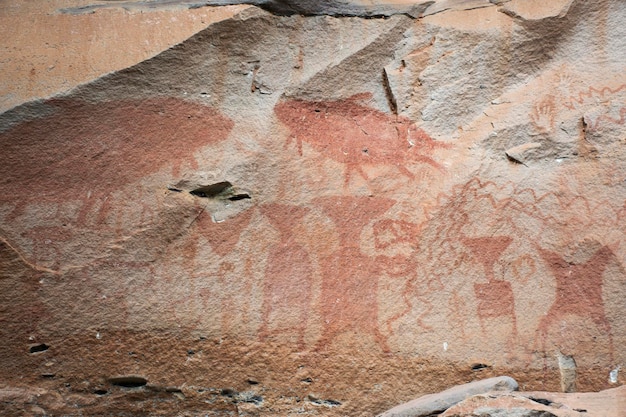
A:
[314,215]
[608,403]
[340,8]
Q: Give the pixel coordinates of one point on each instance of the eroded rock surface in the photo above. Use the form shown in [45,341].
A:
[611,402]
[306,213]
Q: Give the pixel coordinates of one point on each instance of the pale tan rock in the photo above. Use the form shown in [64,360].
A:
[510,405]
[607,403]
[439,402]
[54,52]
[567,366]
[536,9]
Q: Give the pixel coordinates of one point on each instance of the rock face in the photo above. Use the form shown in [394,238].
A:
[316,212]
[45,51]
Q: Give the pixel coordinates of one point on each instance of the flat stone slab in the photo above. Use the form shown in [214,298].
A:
[439,402]
[607,403]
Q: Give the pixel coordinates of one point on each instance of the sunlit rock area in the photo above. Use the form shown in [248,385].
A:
[322,208]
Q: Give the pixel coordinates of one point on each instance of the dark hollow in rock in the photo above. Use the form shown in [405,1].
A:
[238,197]
[38,348]
[129,381]
[213,190]
[255,399]
[327,403]
[228,392]
[540,400]
[479,366]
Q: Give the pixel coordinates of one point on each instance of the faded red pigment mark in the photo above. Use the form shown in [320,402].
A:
[578,291]
[390,233]
[104,289]
[86,151]
[223,237]
[590,93]
[495,297]
[349,293]
[288,278]
[46,241]
[21,305]
[603,96]
[356,135]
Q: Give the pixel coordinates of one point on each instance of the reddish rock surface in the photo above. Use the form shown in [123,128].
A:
[284,214]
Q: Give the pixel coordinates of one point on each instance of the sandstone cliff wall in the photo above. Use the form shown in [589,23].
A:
[315,211]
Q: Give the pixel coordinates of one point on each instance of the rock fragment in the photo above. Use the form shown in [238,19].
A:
[523,153]
[436,403]
[611,402]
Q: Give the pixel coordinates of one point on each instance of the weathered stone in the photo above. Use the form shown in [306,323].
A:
[55,52]
[607,403]
[321,203]
[437,403]
[522,153]
[510,405]
[567,366]
[361,8]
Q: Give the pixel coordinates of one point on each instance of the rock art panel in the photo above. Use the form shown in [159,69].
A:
[357,136]
[45,244]
[21,307]
[514,271]
[350,233]
[590,116]
[200,296]
[602,105]
[85,152]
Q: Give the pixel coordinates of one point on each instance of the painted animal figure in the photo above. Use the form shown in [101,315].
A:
[82,152]
[357,135]
[578,292]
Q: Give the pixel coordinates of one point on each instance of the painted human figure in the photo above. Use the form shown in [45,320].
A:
[287,288]
[495,297]
[230,285]
[349,293]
